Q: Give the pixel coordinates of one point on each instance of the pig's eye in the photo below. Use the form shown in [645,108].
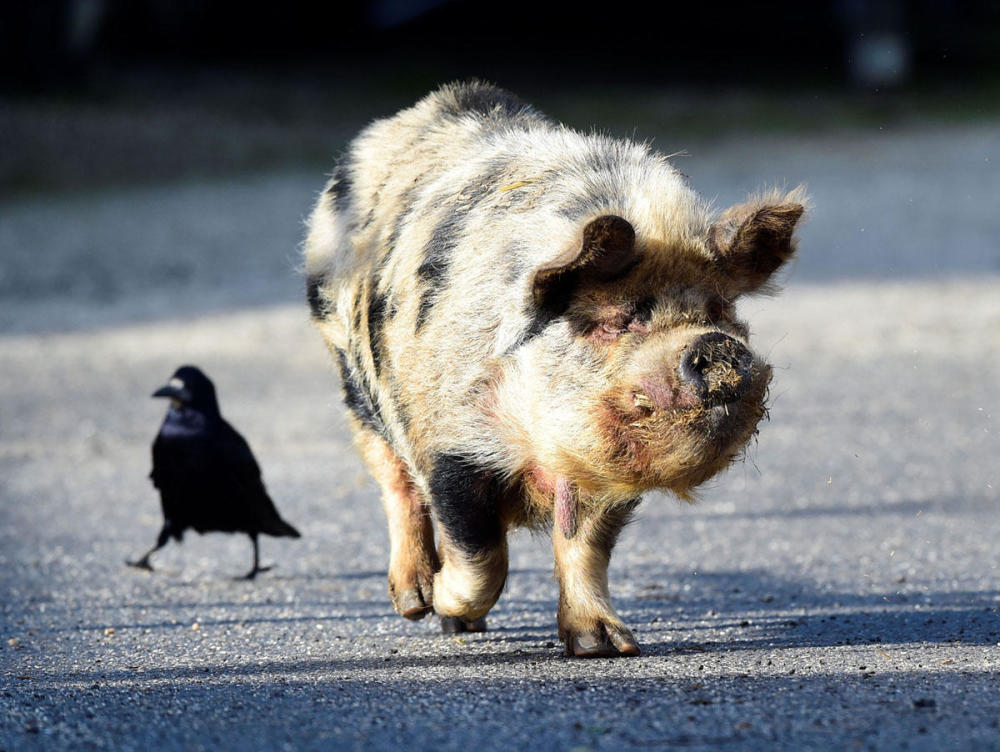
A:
[613,322]
[715,310]
[643,311]
[607,331]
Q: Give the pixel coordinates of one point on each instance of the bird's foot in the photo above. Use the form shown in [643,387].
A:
[252,574]
[142,563]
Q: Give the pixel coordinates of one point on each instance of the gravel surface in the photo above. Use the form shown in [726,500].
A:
[837,589]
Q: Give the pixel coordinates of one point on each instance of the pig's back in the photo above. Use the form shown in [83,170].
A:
[422,248]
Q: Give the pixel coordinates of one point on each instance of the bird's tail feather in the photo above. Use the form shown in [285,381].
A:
[283,530]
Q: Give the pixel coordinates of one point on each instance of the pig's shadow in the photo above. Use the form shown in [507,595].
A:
[721,611]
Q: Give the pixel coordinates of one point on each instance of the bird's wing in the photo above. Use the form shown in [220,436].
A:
[159,462]
[170,475]
[236,454]
[246,477]
[240,468]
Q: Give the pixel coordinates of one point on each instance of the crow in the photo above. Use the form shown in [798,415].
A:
[206,474]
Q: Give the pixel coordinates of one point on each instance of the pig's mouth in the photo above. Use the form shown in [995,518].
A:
[717,414]
[713,370]
[736,420]
[685,430]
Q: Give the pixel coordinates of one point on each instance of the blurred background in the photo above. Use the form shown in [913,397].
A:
[158,89]
[860,99]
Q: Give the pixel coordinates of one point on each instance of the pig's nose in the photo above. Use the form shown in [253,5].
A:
[717,368]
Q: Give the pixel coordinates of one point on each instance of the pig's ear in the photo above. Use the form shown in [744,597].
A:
[605,252]
[752,240]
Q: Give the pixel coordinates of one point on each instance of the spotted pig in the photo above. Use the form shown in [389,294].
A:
[533,327]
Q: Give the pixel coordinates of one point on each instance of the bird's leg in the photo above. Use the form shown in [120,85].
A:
[256,562]
[143,563]
[161,541]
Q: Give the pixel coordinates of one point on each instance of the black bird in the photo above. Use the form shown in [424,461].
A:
[206,474]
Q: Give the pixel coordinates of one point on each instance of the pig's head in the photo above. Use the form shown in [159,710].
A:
[649,378]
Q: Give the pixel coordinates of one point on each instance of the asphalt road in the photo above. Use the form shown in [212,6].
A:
[839,589]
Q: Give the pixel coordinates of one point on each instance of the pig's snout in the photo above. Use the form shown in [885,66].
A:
[717,368]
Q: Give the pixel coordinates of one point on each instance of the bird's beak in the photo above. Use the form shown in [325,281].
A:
[178,393]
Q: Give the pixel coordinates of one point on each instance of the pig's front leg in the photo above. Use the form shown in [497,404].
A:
[583,539]
[472,544]
[412,558]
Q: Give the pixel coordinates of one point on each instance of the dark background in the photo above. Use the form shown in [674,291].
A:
[126,91]
[783,42]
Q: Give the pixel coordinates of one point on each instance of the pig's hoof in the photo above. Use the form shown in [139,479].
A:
[603,643]
[455,625]
[411,606]
[414,601]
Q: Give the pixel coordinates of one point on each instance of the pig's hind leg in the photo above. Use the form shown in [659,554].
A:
[588,623]
[412,558]
[472,543]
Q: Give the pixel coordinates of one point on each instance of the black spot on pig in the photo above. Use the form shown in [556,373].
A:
[433,271]
[466,501]
[377,306]
[317,306]
[340,187]
[358,398]
[402,414]
[484,100]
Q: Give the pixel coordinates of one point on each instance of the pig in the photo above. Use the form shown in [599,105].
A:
[533,327]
